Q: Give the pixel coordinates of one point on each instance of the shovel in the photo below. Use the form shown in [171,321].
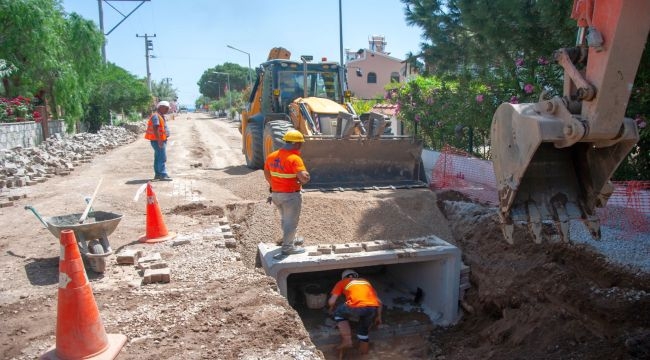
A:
[90,203]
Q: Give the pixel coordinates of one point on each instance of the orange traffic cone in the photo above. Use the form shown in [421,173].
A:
[80,333]
[156,228]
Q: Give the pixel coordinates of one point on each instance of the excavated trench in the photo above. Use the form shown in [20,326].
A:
[395,239]
[417,280]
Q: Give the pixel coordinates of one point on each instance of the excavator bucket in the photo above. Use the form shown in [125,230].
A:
[553,160]
[539,182]
[363,163]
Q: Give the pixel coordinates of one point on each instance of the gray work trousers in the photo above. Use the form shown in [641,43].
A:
[289,205]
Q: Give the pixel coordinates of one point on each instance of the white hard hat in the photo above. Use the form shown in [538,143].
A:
[349,272]
[163,103]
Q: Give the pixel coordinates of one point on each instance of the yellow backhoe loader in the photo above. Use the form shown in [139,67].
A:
[553,159]
[342,150]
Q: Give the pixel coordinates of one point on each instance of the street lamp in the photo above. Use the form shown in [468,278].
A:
[250,70]
[229,89]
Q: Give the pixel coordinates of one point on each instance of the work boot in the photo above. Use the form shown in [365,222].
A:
[296,242]
[293,250]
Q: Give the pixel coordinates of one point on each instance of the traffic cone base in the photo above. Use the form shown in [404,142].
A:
[115,343]
[144,239]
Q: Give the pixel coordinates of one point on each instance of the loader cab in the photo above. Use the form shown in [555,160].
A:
[288,80]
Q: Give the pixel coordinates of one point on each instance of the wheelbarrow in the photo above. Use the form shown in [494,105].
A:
[91,235]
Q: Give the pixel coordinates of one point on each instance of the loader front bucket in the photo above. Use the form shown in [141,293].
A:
[354,164]
[542,177]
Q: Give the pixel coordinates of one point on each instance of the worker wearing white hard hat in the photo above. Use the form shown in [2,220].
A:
[158,133]
[361,301]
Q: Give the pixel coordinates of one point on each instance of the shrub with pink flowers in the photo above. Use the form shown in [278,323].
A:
[17,109]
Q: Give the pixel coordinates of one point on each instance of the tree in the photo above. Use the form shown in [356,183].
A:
[118,91]
[481,53]
[213,82]
[55,54]
[164,90]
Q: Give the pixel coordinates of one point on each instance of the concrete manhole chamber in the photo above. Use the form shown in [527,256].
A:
[417,280]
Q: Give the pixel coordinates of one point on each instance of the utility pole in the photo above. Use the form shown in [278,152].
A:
[101,20]
[341,32]
[148,46]
[101,28]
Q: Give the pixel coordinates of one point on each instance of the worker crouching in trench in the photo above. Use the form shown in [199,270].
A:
[360,301]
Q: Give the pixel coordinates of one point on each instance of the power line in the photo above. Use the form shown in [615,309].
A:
[101,20]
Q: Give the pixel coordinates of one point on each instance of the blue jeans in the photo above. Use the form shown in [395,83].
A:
[365,314]
[159,158]
[289,205]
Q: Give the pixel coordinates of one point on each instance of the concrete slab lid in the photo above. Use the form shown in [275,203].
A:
[443,283]
[412,250]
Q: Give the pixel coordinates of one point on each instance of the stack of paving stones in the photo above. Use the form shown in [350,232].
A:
[154,269]
[58,155]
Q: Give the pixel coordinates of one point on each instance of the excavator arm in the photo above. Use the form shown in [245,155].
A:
[553,160]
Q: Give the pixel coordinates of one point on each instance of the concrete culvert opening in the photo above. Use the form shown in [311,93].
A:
[417,281]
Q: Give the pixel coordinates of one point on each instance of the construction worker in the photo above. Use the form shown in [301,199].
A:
[158,132]
[360,301]
[285,172]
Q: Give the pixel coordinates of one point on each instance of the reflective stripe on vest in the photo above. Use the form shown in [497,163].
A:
[356,282]
[283,175]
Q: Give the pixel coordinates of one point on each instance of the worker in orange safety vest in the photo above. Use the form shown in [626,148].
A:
[285,172]
[158,133]
[361,301]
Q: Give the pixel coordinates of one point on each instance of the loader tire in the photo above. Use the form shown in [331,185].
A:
[273,133]
[253,146]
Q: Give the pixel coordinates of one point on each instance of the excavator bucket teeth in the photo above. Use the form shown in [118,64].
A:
[541,183]
[363,164]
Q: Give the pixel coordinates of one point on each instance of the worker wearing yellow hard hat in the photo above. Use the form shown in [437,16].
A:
[285,172]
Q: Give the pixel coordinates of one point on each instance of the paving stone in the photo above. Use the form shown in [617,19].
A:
[183,241]
[150,258]
[347,248]
[153,265]
[324,249]
[129,256]
[152,276]
[376,245]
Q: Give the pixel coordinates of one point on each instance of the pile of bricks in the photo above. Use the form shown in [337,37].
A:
[152,267]
[58,155]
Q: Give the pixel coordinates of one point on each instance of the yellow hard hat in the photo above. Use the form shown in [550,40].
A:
[293,136]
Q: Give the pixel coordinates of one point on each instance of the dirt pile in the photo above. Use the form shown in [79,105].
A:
[550,301]
[338,218]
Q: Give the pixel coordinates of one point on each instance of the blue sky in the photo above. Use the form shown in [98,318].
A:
[191,35]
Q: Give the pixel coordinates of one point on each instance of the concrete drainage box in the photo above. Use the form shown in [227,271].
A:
[429,263]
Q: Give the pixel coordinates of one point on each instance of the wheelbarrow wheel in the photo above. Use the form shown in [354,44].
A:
[98,264]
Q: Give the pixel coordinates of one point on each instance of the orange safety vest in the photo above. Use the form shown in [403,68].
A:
[358,292]
[150,134]
[284,166]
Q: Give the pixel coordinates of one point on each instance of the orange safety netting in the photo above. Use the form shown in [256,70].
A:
[627,210]
[457,170]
